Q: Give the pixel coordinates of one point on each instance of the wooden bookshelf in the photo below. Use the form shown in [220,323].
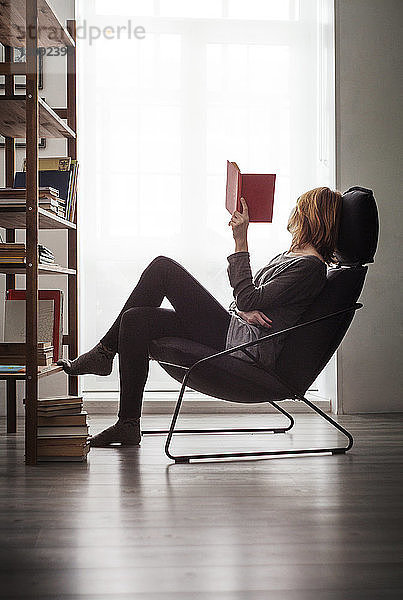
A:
[13,113]
[43,269]
[14,218]
[13,26]
[33,24]
[42,372]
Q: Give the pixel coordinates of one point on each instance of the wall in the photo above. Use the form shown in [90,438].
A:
[369,149]
[54,93]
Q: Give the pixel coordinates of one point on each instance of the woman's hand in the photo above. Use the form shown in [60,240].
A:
[239,223]
[255,317]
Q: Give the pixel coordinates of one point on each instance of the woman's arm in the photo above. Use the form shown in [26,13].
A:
[299,280]
[239,223]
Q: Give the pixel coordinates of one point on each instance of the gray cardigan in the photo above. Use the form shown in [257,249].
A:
[283,289]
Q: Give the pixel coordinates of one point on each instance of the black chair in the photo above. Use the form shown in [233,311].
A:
[308,346]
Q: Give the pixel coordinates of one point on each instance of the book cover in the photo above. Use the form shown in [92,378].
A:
[51,163]
[10,369]
[55,296]
[60,180]
[256,188]
[14,321]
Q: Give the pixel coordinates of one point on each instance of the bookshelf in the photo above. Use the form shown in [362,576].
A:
[32,24]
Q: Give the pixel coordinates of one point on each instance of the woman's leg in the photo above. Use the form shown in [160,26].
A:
[193,304]
[195,307]
[139,325]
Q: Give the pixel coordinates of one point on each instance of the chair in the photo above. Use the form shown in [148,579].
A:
[308,346]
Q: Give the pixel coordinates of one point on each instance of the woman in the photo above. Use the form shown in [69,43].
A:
[273,300]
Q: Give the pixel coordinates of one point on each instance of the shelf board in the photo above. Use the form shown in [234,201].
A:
[42,372]
[12,26]
[13,118]
[14,218]
[10,269]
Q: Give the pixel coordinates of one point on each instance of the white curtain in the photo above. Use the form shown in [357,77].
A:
[244,80]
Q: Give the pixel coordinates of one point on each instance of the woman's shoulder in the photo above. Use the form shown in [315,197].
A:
[303,261]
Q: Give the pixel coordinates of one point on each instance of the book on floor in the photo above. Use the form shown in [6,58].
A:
[62,431]
[62,420]
[60,406]
[67,409]
[60,400]
[62,436]
[257,190]
[66,447]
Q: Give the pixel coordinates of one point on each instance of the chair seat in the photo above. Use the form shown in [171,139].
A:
[229,379]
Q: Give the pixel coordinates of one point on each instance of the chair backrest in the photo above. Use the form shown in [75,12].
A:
[307,351]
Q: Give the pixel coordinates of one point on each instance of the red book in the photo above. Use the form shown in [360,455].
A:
[57,297]
[257,189]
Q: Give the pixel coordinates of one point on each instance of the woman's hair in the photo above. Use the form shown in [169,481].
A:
[315,220]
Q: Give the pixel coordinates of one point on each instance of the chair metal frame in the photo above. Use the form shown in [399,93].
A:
[294,395]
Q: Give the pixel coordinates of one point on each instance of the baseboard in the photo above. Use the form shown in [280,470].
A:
[97,403]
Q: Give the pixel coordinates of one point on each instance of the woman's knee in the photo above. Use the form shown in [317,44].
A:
[161,260]
[136,315]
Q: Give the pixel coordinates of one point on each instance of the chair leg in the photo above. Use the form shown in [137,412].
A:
[187,458]
[232,429]
[11,406]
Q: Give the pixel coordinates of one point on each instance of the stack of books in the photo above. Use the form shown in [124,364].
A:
[13,353]
[45,255]
[48,199]
[62,429]
[60,173]
[13,253]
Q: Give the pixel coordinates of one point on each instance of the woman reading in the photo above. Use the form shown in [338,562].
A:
[273,299]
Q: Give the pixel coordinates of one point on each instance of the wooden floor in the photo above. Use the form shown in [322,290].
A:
[129,524]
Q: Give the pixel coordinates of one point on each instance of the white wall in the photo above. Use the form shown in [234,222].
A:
[54,93]
[369,149]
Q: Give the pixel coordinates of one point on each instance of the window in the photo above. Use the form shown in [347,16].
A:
[245,81]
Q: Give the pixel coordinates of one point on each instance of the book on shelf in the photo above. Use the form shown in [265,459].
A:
[51,163]
[12,253]
[50,318]
[12,369]
[65,181]
[15,253]
[13,353]
[14,198]
[17,195]
[257,190]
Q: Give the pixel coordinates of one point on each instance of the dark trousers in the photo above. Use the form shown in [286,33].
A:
[197,315]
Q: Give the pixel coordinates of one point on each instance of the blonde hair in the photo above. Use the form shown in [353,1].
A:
[315,220]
